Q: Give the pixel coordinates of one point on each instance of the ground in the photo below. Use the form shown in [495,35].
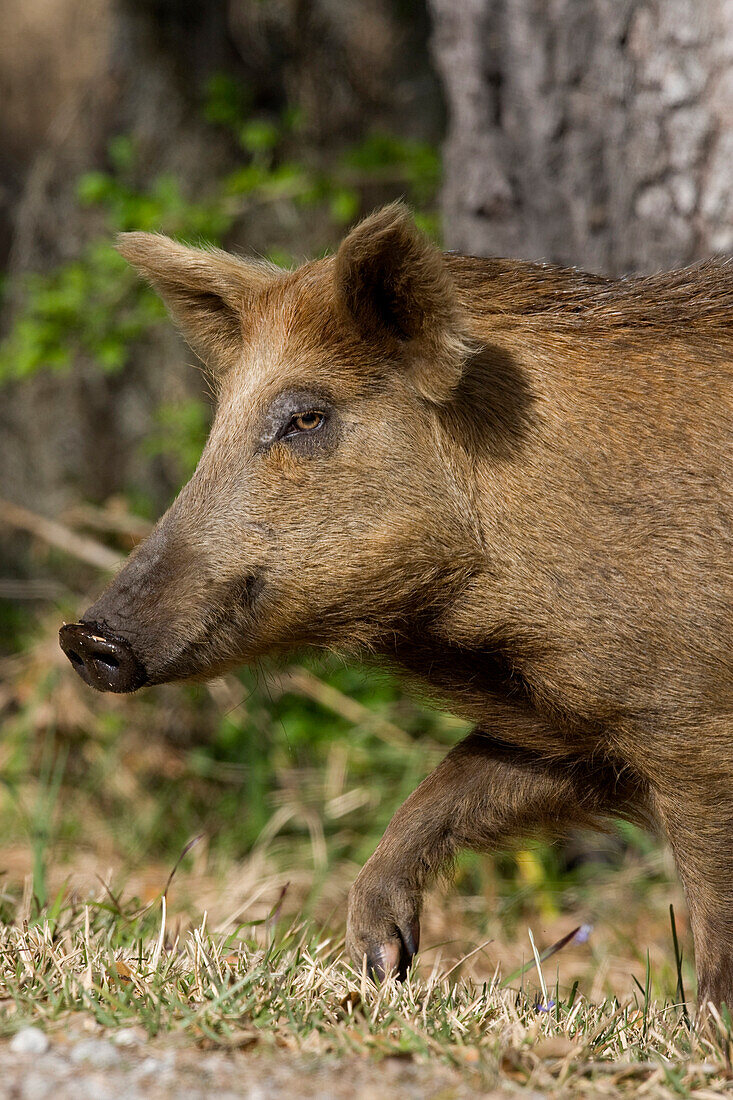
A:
[136,1071]
[102,997]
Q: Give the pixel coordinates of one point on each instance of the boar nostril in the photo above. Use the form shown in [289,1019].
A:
[103,660]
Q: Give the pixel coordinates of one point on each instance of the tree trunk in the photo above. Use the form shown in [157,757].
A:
[588,132]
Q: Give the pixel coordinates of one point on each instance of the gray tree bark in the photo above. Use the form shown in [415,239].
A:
[588,132]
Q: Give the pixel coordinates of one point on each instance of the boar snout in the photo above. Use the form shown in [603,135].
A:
[103,660]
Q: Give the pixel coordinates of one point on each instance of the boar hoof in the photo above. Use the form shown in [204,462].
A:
[384,926]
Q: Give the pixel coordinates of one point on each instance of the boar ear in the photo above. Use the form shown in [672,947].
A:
[393,284]
[206,291]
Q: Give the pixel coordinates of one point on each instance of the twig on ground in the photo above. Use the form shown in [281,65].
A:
[117,521]
[302,682]
[58,535]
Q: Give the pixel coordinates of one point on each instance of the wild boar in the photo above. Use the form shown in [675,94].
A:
[511,481]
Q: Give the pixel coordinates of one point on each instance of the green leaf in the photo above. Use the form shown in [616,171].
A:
[93,188]
[344,205]
[121,152]
[259,135]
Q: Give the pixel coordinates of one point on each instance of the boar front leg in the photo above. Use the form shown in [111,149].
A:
[483,795]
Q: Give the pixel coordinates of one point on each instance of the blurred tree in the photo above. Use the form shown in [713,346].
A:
[589,132]
[197,91]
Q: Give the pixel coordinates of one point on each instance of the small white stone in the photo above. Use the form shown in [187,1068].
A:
[149,1067]
[684,193]
[29,1040]
[97,1052]
[127,1037]
[654,203]
[36,1085]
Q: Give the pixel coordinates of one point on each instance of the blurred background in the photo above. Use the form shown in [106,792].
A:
[577,131]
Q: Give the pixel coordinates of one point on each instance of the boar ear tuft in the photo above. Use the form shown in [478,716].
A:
[206,291]
[392,283]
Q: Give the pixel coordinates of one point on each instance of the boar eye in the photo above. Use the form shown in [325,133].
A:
[304,422]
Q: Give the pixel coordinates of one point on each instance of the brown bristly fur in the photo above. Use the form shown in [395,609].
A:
[520,494]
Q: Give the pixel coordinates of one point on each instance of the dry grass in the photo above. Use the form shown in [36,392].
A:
[283,986]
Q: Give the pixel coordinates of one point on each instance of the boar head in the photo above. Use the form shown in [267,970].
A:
[327,508]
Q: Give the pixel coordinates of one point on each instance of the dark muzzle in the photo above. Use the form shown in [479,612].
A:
[103,660]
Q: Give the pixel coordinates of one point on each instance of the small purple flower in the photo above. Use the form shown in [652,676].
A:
[546,1007]
[583,933]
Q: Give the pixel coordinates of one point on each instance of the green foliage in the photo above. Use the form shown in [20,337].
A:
[181,431]
[226,101]
[91,308]
[94,308]
[383,153]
